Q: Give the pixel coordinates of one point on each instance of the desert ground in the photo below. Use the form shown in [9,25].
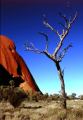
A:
[42,110]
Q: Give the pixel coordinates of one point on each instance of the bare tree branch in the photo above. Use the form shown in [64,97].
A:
[71,21]
[62,54]
[65,31]
[51,28]
[65,27]
[65,18]
[64,34]
[34,50]
[46,36]
[31,47]
[50,56]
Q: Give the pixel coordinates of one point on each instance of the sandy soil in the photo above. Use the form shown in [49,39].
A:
[42,110]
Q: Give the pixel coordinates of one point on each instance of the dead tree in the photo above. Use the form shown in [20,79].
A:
[56,56]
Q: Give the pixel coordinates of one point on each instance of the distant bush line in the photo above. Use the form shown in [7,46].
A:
[16,95]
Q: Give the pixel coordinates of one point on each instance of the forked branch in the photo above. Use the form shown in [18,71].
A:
[64,51]
[46,38]
[31,47]
[65,18]
[45,22]
[64,34]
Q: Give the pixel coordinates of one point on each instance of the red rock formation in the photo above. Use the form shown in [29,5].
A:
[15,65]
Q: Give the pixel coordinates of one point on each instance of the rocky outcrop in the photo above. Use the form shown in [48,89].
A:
[14,65]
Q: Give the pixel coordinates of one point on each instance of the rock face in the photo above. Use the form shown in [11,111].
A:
[13,65]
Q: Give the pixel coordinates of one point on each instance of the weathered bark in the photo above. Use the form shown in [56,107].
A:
[61,77]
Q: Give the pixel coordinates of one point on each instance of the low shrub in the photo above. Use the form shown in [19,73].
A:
[12,94]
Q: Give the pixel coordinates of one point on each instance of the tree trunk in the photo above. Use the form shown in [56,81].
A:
[63,104]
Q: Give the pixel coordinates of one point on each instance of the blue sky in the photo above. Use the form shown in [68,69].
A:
[22,20]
